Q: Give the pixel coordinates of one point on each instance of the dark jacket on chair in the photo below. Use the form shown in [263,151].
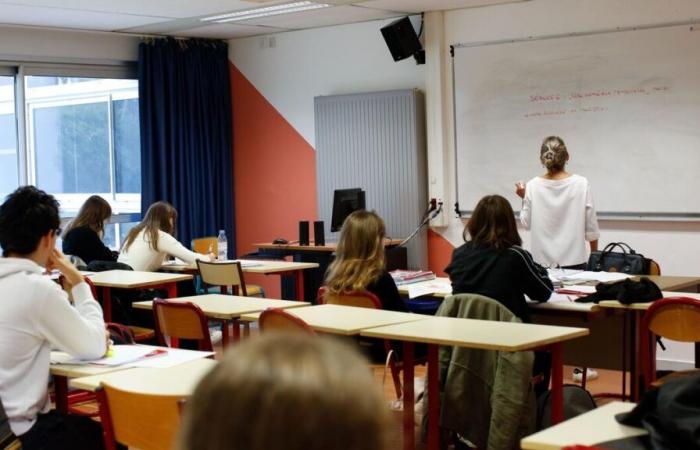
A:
[487,397]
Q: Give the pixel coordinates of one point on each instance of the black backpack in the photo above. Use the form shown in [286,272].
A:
[576,401]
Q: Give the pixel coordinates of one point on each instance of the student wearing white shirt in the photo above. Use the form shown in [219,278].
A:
[37,316]
[558,210]
[149,242]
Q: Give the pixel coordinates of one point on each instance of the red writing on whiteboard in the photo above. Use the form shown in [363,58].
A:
[545,98]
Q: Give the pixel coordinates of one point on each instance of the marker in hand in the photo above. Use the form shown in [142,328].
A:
[520,189]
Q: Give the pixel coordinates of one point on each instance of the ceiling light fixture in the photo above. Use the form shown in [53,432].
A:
[285,8]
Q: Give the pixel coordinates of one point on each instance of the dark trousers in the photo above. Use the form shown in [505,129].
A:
[54,431]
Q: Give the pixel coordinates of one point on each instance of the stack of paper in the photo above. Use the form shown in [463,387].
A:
[411,276]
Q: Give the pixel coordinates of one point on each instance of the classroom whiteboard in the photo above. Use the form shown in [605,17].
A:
[627,104]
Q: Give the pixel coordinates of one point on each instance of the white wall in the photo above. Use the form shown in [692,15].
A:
[323,61]
[676,246]
[48,45]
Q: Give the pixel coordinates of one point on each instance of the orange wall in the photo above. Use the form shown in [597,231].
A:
[274,174]
[275,180]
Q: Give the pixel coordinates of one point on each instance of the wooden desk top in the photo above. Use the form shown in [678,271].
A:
[594,427]
[80,370]
[329,247]
[179,380]
[672,283]
[614,304]
[133,279]
[265,267]
[481,334]
[227,307]
[345,320]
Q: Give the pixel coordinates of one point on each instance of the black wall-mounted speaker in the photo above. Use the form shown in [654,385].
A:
[401,39]
[303,232]
[319,234]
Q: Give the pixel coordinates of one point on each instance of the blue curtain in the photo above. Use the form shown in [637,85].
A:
[186,142]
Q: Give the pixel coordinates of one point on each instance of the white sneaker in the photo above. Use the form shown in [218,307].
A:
[215,336]
[591,374]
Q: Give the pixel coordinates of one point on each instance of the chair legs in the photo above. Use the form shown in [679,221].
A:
[391,360]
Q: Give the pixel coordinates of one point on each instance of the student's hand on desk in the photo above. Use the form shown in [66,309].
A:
[58,261]
[520,189]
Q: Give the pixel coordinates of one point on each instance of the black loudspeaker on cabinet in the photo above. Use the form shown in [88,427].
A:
[303,232]
[401,39]
[319,234]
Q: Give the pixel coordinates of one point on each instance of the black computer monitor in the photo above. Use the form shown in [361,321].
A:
[345,202]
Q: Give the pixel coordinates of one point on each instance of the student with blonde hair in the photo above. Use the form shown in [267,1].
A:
[360,261]
[287,391]
[558,210]
[149,242]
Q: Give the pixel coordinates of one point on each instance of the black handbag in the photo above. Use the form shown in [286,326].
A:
[627,261]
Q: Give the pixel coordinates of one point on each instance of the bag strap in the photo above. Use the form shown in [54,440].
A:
[611,246]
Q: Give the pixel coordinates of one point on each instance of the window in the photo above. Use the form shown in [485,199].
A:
[9,170]
[83,135]
[73,131]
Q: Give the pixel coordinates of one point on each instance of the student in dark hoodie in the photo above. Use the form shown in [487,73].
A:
[492,263]
[83,237]
[35,317]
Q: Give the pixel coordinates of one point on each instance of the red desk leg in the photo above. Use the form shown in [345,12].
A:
[433,399]
[224,333]
[557,383]
[300,284]
[60,386]
[408,398]
[107,303]
[236,325]
[172,290]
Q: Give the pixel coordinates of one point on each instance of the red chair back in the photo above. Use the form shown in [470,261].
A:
[674,318]
[360,299]
[275,319]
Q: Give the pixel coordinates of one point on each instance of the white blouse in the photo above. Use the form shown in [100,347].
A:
[561,217]
[140,255]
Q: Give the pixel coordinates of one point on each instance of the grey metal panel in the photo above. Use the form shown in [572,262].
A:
[375,141]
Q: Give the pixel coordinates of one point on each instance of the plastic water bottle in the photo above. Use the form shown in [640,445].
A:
[222,246]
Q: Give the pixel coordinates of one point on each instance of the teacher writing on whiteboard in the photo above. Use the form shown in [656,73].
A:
[558,210]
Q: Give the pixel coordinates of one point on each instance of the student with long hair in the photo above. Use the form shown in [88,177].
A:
[83,236]
[149,242]
[250,399]
[360,261]
[492,263]
[558,210]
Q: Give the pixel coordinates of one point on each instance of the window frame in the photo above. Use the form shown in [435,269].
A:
[122,203]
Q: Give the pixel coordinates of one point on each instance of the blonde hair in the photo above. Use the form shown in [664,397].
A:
[553,154]
[287,391]
[359,257]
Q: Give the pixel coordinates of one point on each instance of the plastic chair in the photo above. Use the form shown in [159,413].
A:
[275,319]
[674,318]
[363,299]
[147,422]
[181,320]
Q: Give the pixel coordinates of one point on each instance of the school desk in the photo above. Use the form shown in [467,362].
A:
[133,279]
[266,267]
[633,314]
[62,372]
[228,308]
[180,380]
[591,428]
[344,320]
[475,334]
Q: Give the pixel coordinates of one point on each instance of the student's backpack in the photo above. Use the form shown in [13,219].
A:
[576,401]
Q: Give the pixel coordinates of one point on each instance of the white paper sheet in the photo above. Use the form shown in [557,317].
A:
[602,277]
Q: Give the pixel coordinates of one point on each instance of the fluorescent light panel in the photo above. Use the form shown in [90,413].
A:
[274,10]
